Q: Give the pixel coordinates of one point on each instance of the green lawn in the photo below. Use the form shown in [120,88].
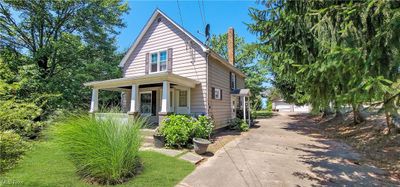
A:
[46,165]
[262,114]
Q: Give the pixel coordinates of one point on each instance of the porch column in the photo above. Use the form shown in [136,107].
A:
[164,102]
[244,108]
[249,112]
[94,104]
[165,97]
[134,94]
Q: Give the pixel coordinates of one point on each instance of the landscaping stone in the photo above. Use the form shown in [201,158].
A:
[169,152]
[191,157]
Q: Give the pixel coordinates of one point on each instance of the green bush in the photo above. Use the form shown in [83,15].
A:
[238,124]
[103,151]
[19,117]
[177,130]
[203,127]
[269,106]
[12,146]
[261,114]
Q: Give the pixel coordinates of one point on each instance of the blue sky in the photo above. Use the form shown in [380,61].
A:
[219,14]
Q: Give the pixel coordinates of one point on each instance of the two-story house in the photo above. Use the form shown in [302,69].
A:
[168,70]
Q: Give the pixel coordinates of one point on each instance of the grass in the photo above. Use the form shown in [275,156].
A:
[47,165]
[104,151]
[262,114]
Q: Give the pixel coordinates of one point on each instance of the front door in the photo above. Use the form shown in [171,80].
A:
[146,103]
[234,102]
[182,105]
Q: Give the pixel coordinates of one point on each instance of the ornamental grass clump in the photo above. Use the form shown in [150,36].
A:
[104,151]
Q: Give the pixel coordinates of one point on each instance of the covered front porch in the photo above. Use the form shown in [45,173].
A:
[153,95]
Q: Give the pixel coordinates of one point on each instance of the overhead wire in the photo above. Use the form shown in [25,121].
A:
[201,14]
[180,14]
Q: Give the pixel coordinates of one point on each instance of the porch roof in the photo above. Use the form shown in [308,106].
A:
[241,92]
[154,78]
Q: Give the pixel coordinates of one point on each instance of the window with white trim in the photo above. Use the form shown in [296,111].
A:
[158,62]
[217,93]
[233,81]
[182,98]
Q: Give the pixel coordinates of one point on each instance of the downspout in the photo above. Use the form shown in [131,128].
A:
[207,51]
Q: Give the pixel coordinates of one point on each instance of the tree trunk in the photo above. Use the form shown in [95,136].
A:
[357,115]
[339,116]
[326,112]
[392,116]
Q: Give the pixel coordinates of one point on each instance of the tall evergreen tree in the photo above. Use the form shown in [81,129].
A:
[340,52]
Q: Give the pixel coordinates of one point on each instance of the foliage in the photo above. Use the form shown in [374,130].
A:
[177,130]
[262,114]
[238,124]
[46,158]
[12,147]
[52,47]
[269,105]
[19,117]
[247,60]
[332,52]
[203,127]
[102,150]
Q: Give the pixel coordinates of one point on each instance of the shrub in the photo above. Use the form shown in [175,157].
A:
[177,130]
[103,151]
[261,114]
[238,124]
[12,146]
[269,106]
[19,117]
[203,127]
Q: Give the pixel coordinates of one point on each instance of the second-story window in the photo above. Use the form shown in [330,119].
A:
[233,80]
[158,61]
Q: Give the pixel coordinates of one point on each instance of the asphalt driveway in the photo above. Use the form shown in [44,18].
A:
[283,151]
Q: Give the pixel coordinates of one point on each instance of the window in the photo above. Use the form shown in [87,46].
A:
[158,61]
[154,59]
[182,98]
[163,61]
[217,93]
[233,80]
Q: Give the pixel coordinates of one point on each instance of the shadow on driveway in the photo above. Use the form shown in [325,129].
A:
[331,162]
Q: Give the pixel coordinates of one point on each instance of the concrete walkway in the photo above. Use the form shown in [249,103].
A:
[282,151]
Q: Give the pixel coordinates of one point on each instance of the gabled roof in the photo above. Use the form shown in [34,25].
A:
[201,44]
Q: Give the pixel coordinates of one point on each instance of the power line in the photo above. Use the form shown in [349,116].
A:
[201,14]
[204,11]
[180,15]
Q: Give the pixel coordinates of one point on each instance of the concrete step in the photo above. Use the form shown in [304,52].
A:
[148,139]
[147,132]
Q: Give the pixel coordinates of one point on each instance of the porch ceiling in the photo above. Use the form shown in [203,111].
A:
[145,79]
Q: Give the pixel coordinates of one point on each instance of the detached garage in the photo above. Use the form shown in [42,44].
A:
[283,106]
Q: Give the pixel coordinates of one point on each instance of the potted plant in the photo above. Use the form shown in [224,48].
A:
[159,139]
[201,132]
[200,145]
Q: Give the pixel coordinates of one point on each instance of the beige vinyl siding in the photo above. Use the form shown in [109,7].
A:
[220,110]
[240,82]
[188,58]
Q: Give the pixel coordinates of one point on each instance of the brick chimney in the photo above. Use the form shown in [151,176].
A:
[231,46]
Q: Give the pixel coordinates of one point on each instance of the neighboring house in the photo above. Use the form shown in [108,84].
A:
[282,106]
[168,70]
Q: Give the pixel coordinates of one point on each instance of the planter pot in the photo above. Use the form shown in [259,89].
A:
[159,141]
[200,145]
